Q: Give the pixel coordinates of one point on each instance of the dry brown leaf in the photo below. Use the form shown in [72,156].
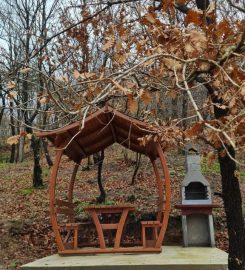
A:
[189,48]
[25,70]
[13,94]
[13,139]
[119,45]
[210,8]
[108,44]
[123,89]
[193,17]
[150,18]
[43,100]
[232,102]
[172,64]
[29,136]
[11,85]
[181,1]
[76,74]
[87,75]
[243,92]
[145,96]
[210,158]
[172,94]
[204,66]
[198,40]
[194,130]
[120,58]
[132,103]
[157,95]
[216,83]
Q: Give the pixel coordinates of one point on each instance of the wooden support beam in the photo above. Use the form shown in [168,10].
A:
[160,191]
[167,194]
[52,186]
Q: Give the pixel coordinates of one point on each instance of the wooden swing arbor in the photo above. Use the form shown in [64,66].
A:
[102,129]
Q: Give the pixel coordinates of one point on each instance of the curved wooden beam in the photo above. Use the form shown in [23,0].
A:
[167,197]
[53,215]
[160,191]
[72,182]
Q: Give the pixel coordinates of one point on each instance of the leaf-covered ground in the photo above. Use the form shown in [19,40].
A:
[25,230]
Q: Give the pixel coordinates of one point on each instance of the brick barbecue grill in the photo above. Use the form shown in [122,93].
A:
[196,207]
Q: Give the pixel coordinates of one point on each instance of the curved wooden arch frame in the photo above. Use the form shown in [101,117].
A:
[162,215]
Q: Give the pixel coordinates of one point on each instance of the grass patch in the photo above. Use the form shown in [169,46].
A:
[210,168]
[13,265]
[242,175]
[108,202]
[26,191]
[80,207]
[4,157]
[45,171]
[214,168]
[5,165]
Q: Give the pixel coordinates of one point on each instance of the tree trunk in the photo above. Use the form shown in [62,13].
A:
[184,110]
[102,196]
[13,147]
[37,170]
[46,153]
[233,208]
[12,155]
[3,100]
[21,145]
[137,165]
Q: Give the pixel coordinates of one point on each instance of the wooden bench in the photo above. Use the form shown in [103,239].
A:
[154,225]
[68,209]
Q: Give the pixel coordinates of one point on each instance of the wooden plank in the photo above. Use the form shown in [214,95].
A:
[99,229]
[156,222]
[160,191]
[167,194]
[120,227]
[111,226]
[53,216]
[109,250]
[116,206]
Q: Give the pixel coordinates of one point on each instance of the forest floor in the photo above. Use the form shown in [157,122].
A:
[25,229]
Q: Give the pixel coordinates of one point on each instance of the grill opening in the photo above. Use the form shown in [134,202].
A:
[196,191]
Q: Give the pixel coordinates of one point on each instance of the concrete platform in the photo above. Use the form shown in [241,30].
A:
[171,258]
